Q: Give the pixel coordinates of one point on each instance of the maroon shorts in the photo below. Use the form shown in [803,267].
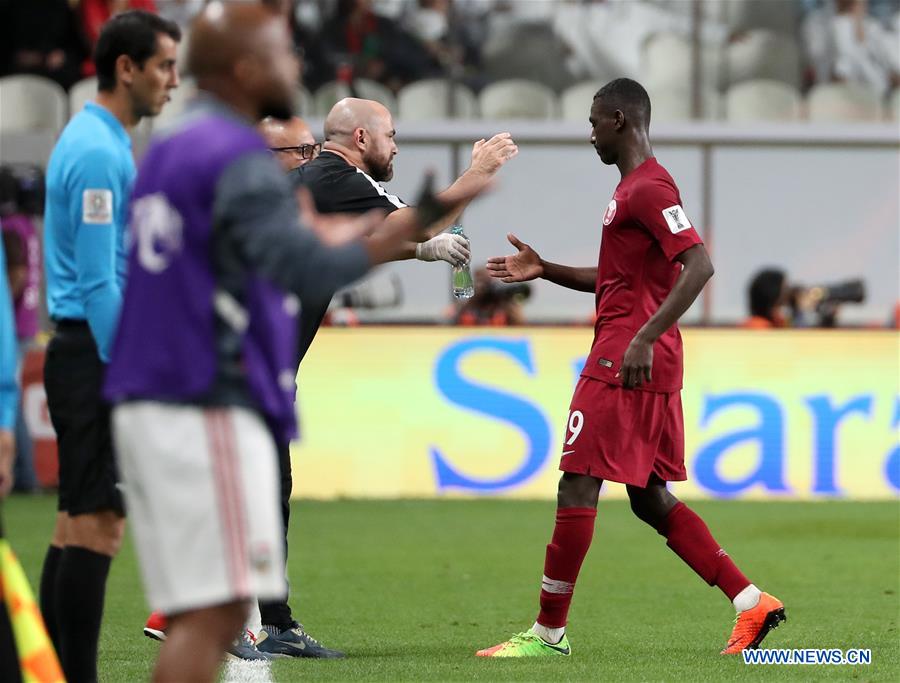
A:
[624,435]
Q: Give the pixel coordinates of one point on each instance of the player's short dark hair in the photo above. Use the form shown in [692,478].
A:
[628,96]
[133,33]
[764,291]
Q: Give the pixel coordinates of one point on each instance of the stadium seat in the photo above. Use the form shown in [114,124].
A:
[517,99]
[762,100]
[762,54]
[843,102]
[575,102]
[527,50]
[32,103]
[744,15]
[180,98]
[327,95]
[429,99]
[667,61]
[80,93]
[671,104]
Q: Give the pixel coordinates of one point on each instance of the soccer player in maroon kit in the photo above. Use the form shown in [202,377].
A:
[625,421]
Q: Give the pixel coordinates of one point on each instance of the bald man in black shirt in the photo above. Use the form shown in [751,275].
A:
[357,157]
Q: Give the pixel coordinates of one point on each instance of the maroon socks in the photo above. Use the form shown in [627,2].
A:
[689,537]
[565,553]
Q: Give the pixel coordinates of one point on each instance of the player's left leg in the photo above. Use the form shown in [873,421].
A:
[281,634]
[575,516]
[689,537]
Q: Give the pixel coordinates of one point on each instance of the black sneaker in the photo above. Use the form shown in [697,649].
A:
[293,642]
[244,647]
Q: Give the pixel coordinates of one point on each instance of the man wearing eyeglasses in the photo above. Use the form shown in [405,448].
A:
[291,141]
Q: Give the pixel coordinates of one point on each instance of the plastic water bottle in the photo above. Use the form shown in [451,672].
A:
[463,284]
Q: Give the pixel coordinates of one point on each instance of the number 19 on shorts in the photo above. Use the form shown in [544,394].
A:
[573,429]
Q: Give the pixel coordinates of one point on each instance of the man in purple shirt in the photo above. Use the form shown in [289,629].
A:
[203,364]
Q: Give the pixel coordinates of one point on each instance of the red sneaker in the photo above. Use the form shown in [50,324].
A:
[156,626]
[752,625]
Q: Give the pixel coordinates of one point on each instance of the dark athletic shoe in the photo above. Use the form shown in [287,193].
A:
[244,647]
[294,642]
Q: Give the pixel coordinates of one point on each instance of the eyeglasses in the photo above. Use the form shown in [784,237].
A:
[304,151]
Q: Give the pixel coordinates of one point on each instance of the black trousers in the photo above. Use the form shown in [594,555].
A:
[73,379]
[278,613]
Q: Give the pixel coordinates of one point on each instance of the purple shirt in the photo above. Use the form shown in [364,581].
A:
[217,262]
[27,303]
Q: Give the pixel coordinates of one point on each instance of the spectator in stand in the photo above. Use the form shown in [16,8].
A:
[429,22]
[848,44]
[864,50]
[376,47]
[94,13]
[40,37]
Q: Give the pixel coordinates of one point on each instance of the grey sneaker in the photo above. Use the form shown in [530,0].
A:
[244,647]
[294,642]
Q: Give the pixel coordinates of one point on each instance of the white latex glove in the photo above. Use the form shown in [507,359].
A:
[454,249]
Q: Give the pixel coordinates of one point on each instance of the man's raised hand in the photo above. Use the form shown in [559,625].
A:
[488,156]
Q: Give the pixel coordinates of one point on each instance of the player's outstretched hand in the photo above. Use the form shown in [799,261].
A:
[454,249]
[522,266]
[488,156]
[336,229]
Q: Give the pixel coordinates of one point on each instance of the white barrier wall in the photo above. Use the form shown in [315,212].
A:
[821,202]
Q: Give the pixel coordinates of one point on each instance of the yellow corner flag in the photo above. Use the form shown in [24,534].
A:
[36,656]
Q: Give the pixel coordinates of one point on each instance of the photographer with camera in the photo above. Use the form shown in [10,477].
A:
[493,304]
[774,303]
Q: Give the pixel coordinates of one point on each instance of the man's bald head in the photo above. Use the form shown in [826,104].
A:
[286,138]
[243,53]
[352,113]
[364,131]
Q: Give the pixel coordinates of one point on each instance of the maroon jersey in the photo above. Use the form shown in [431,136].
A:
[644,229]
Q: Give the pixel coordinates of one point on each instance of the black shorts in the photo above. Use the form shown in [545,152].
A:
[73,379]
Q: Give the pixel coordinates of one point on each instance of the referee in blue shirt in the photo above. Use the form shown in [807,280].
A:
[89,181]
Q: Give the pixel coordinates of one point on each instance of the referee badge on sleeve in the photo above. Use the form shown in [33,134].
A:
[97,207]
[676,219]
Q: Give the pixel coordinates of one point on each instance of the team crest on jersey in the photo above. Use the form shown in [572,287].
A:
[610,213]
[675,219]
[157,228]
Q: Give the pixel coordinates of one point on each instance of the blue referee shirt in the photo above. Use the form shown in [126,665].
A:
[9,391]
[89,180]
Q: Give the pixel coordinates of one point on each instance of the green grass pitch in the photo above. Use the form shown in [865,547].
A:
[410,589]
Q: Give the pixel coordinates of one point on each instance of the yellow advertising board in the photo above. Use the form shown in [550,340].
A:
[436,411]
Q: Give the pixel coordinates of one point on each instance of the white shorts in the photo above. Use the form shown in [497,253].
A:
[202,493]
